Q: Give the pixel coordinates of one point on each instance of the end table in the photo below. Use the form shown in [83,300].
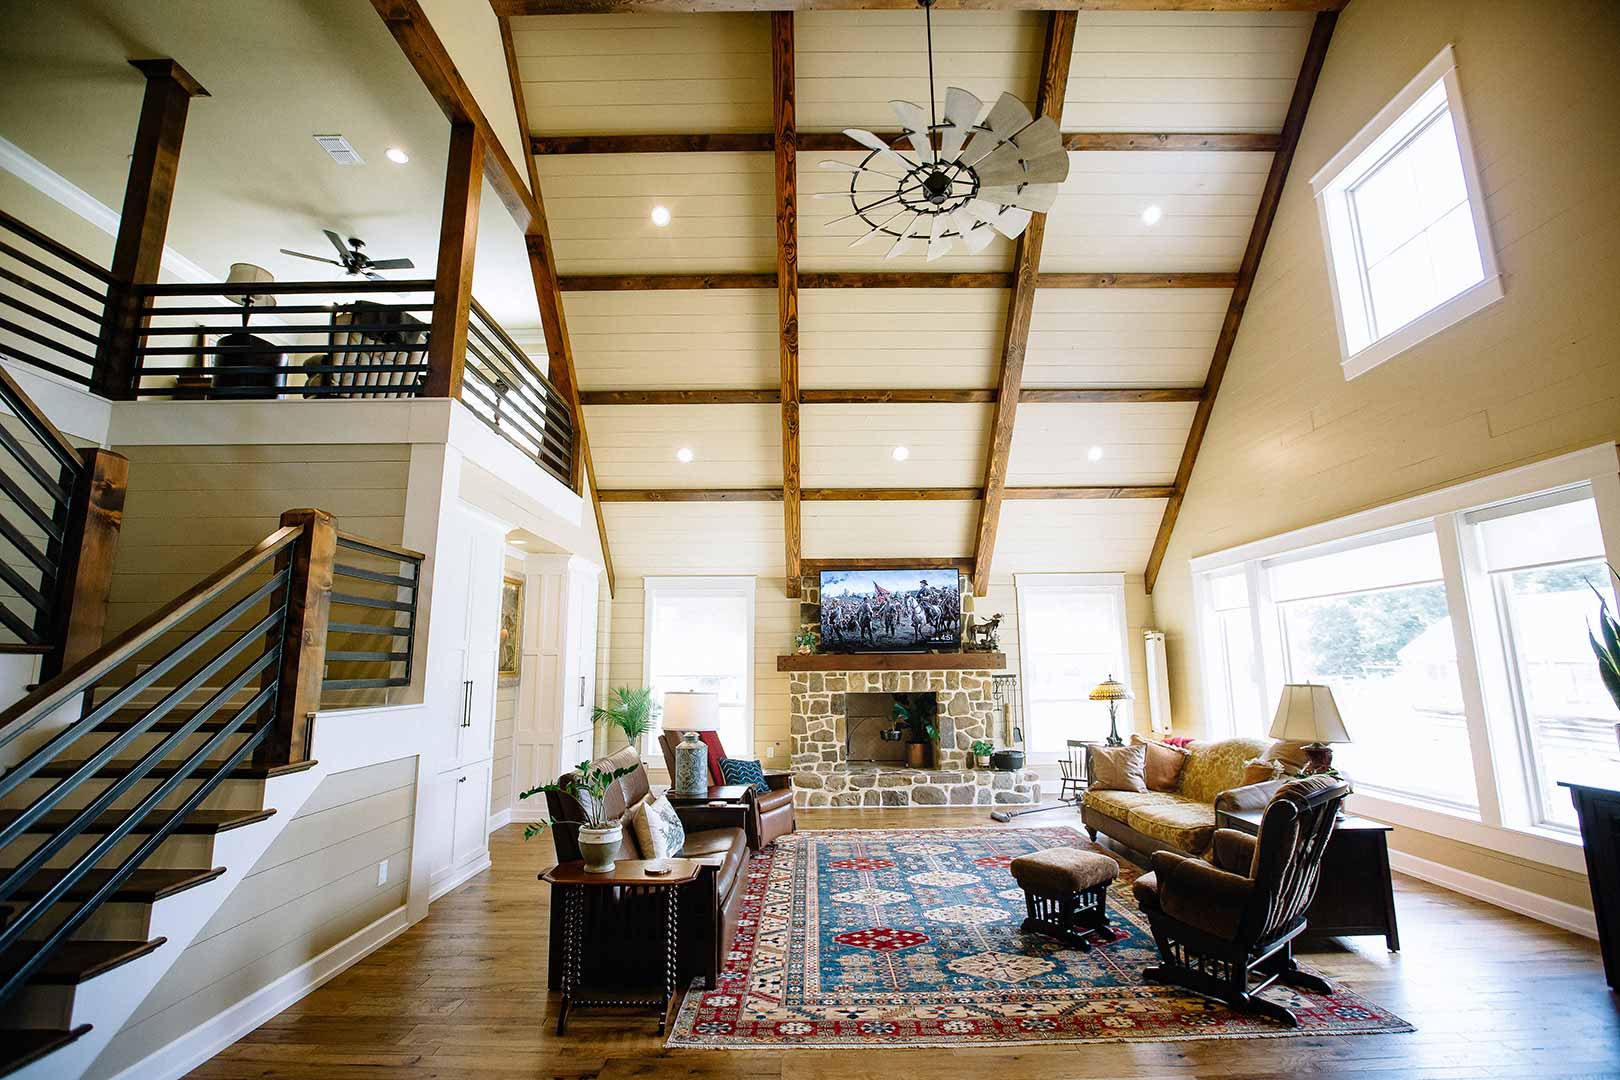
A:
[570,884]
[732,794]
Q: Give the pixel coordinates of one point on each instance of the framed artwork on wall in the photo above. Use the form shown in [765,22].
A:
[511,646]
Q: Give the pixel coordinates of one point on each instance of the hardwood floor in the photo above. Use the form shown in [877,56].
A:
[1493,995]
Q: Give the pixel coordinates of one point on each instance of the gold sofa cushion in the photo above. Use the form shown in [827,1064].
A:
[1186,825]
[1214,767]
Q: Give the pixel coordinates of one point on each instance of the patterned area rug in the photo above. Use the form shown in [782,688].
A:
[910,938]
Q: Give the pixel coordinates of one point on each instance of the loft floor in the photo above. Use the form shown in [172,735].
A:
[1493,995]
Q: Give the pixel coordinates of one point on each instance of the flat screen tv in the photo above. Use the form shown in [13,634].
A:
[890,610]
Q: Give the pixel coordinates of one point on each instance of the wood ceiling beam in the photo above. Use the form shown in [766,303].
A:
[816,566]
[1020,309]
[764,142]
[1310,69]
[892,279]
[903,396]
[666,7]
[785,128]
[883,494]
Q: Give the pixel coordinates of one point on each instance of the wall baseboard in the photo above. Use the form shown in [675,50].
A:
[458,876]
[1565,916]
[500,820]
[203,1042]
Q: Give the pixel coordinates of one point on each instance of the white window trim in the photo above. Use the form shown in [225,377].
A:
[1598,466]
[729,585]
[1325,185]
[1114,584]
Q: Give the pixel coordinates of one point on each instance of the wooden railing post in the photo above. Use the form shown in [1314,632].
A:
[95,514]
[303,650]
[148,194]
[452,281]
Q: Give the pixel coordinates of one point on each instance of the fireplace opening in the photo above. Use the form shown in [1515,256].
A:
[877,730]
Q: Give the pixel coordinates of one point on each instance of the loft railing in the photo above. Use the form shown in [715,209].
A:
[60,511]
[511,394]
[372,632]
[226,663]
[52,305]
[348,339]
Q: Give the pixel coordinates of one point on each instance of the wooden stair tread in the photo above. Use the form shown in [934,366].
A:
[57,770]
[24,1046]
[198,822]
[124,719]
[72,962]
[22,649]
[143,886]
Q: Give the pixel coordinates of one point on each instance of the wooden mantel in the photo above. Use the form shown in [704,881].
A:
[938,661]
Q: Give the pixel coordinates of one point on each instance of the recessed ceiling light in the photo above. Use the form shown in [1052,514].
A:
[684,455]
[397,156]
[1094,454]
[660,216]
[900,453]
[1151,215]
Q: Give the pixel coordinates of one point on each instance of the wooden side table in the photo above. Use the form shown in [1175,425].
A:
[735,794]
[1356,897]
[570,887]
[1598,808]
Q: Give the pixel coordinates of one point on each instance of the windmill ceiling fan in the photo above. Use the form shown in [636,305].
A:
[353,258]
[963,179]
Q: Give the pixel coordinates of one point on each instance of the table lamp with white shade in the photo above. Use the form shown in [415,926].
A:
[689,712]
[1306,713]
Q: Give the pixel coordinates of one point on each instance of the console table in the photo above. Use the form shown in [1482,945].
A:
[1599,811]
[570,886]
[1356,897]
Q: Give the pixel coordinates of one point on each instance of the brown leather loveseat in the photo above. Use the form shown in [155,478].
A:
[715,837]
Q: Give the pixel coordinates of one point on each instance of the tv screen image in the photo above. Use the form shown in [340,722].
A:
[890,610]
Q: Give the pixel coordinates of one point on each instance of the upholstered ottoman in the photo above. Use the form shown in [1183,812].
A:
[1066,893]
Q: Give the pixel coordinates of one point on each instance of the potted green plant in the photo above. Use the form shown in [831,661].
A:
[1607,649]
[599,836]
[805,641]
[981,750]
[630,710]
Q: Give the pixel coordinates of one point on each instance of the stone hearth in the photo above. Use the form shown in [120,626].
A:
[823,776]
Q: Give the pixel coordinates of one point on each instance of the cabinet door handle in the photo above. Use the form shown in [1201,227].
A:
[463,780]
[466,703]
[582,691]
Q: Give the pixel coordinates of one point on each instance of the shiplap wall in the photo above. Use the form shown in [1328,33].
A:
[314,887]
[1292,442]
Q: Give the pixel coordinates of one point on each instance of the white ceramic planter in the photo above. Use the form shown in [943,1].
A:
[981,761]
[598,846]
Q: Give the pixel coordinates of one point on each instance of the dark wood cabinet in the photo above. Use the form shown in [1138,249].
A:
[1356,896]
[1599,811]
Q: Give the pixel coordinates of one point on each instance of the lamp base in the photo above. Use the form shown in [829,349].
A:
[691,766]
[1318,758]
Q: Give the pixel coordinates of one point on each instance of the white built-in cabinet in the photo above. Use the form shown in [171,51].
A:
[464,630]
[553,732]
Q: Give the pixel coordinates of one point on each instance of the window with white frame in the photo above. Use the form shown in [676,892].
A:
[1403,214]
[1071,636]
[699,635]
[1452,628]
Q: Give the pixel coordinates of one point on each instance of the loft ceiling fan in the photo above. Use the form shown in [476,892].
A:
[353,258]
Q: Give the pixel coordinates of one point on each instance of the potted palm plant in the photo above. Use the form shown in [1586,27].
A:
[628,709]
[599,836]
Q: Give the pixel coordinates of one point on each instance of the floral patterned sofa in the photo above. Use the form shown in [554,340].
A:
[1184,820]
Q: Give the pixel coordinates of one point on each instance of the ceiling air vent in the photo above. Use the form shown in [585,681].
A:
[340,150]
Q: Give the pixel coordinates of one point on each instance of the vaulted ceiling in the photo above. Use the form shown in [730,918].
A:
[617,104]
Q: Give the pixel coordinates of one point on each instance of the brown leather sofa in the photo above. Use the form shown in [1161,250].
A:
[710,906]
[770,813]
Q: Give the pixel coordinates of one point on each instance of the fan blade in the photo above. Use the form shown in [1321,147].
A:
[311,258]
[904,240]
[1010,223]
[938,243]
[1008,117]
[337,241]
[961,113]
[876,229]
[872,142]
[1036,197]
[1007,166]
[979,238]
[915,124]
[963,220]
[390,264]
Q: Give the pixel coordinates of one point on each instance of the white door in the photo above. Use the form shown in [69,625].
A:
[447,634]
[470,838]
[537,756]
[482,637]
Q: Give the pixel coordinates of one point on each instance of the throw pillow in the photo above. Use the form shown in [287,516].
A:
[1162,771]
[658,829]
[1119,768]
[742,771]
[1289,753]
[1261,771]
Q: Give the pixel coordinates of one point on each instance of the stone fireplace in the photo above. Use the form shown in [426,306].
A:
[839,759]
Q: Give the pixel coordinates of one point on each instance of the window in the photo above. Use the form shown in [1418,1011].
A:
[1071,636]
[699,635]
[1544,560]
[1452,628]
[1402,211]
[1371,621]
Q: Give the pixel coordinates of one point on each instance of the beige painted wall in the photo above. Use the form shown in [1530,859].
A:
[314,887]
[1291,443]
